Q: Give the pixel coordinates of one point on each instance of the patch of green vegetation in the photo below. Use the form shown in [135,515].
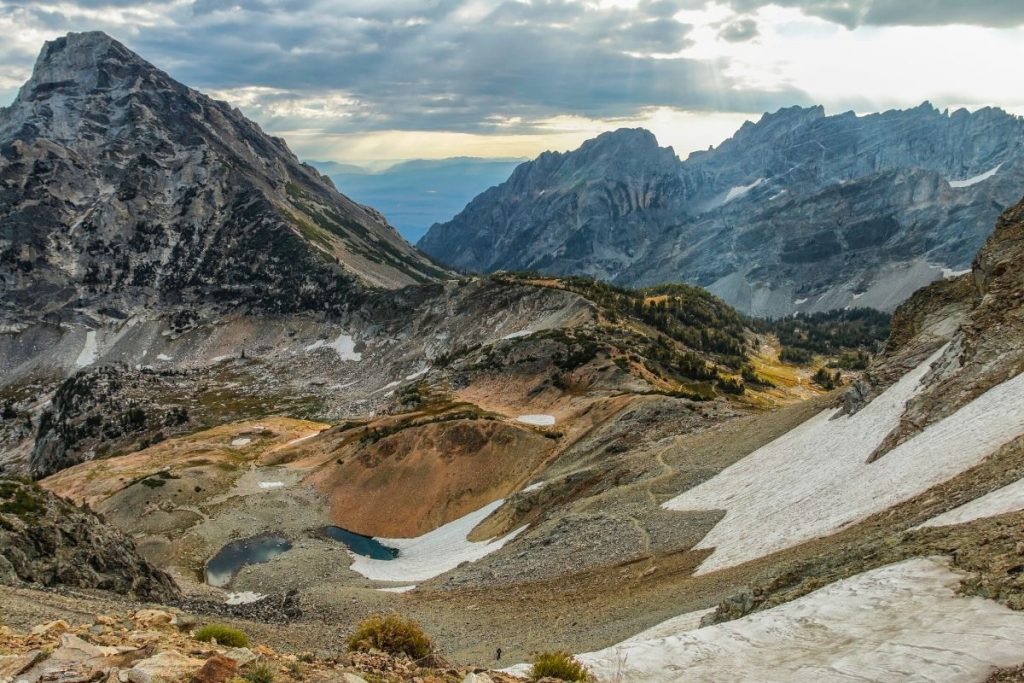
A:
[730,385]
[855,331]
[827,380]
[750,376]
[223,634]
[443,413]
[258,673]
[393,634]
[20,499]
[688,315]
[560,665]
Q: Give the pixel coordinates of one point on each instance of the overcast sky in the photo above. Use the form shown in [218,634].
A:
[362,80]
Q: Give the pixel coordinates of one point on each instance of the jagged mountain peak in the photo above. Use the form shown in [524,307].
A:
[790,117]
[614,139]
[122,186]
[83,62]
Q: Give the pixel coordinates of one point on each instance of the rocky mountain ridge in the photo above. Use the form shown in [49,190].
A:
[48,541]
[797,212]
[122,189]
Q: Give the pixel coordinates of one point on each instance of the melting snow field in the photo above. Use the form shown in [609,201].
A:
[244,598]
[539,420]
[999,502]
[418,373]
[266,485]
[815,479]
[344,346]
[433,553]
[976,179]
[899,623]
[740,190]
[88,354]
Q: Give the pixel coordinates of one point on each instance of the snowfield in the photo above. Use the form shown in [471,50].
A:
[1010,498]
[87,356]
[899,623]
[815,480]
[976,179]
[344,346]
[244,598]
[433,553]
[740,190]
[539,420]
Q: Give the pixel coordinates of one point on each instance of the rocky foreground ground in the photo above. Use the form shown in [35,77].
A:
[158,646]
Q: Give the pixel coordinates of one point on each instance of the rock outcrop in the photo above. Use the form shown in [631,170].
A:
[48,541]
[797,212]
[122,189]
[985,335]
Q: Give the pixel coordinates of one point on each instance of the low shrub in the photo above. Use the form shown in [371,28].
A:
[224,635]
[258,673]
[392,634]
[560,665]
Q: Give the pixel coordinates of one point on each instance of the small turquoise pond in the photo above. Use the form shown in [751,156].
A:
[361,545]
[223,566]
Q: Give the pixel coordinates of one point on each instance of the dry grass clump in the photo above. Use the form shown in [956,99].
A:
[393,634]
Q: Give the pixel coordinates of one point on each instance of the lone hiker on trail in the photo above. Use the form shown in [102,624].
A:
[497,654]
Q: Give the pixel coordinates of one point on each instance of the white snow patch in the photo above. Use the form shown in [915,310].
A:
[301,439]
[217,359]
[1010,498]
[241,441]
[674,626]
[271,484]
[903,622]
[389,385]
[87,356]
[858,295]
[163,356]
[344,346]
[800,301]
[418,373]
[534,487]
[433,553]
[539,419]
[244,598]
[815,479]
[397,589]
[976,179]
[948,273]
[517,335]
[740,190]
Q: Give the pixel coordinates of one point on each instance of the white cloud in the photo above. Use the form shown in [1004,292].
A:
[428,78]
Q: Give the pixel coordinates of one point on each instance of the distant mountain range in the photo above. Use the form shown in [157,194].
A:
[414,195]
[797,212]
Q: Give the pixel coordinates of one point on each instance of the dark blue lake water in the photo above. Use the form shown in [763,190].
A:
[225,564]
[361,545]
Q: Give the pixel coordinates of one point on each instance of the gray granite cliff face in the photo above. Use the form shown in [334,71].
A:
[121,188]
[797,212]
